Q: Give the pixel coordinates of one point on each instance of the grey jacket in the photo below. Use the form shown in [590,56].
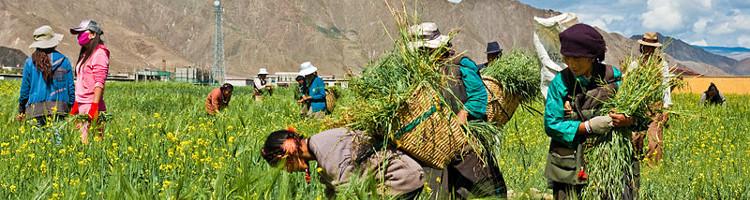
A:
[337,149]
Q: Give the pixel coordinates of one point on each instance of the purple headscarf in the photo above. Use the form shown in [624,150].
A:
[582,40]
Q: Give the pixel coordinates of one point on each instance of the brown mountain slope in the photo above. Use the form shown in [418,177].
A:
[335,35]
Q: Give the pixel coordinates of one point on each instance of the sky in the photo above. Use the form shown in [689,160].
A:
[698,22]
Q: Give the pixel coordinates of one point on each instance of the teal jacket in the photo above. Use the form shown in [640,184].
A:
[476,104]
[317,92]
[555,124]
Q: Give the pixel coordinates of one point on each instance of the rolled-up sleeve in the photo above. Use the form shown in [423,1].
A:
[100,64]
[475,90]
[555,124]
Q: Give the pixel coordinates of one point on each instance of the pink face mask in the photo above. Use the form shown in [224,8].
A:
[83,38]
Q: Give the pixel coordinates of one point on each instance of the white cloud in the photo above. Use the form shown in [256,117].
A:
[669,15]
[742,22]
[717,22]
[599,23]
[700,25]
[700,43]
[663,15]
[723,28]
[744,41]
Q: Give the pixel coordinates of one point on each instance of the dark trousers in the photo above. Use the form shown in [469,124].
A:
[562,191]
[466,176]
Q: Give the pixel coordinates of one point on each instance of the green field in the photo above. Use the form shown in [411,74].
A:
[160,144]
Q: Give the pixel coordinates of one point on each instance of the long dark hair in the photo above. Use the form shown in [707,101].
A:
[41,58]
[273,149]
[88,49]
[712,90]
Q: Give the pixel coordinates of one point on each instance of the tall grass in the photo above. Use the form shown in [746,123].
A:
[610,160]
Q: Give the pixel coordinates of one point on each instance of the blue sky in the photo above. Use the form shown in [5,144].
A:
[699,22]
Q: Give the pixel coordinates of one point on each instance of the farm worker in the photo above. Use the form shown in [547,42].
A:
[219,99]
[316,93]
[261,83]
[47,89]
[301,92]
[712,96]
[91,74]
[335,151]
[572,110]
[648,46]
[493,52]
[470,103]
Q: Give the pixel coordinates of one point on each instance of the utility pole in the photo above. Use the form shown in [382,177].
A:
[218,74]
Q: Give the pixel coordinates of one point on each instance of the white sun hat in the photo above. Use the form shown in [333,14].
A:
[428,36]
[306,68]
[263,71]
[45,38]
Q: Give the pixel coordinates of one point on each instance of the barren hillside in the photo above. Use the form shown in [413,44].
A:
[335,35]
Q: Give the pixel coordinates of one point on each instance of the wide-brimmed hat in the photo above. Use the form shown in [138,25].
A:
[493,47]
[428,36]
[306,68]
[262,71]
[650,39]
[87,25]
[45,38]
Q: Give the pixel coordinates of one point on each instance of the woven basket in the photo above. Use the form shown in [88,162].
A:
[438,138]
[331,98]
[500,106]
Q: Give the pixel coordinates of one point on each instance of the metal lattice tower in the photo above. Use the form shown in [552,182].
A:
[218,74]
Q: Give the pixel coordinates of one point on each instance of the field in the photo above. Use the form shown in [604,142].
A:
[159,144]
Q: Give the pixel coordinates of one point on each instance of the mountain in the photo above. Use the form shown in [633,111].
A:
[12,57]
[683,51]
[279,35]
[737,53]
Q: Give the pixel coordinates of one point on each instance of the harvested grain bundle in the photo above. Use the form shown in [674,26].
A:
[405,94]
[610,157]
[510,80]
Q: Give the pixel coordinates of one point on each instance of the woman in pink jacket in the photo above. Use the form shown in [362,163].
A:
[91,73]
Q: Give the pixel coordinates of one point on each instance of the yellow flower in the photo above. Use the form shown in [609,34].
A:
[4,144]
[12,188]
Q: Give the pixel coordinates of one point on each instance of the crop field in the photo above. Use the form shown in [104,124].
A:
[160,144]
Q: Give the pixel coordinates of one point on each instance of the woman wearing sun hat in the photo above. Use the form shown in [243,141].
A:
[47,88]
[261,83]
[316,94]
[91,74]
[469,174]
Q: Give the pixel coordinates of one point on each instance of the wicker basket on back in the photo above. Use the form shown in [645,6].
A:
[331,97]
[500,105]
[429,133]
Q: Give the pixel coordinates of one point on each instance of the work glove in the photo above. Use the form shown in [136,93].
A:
[600,124]
[74,109]
[94,112]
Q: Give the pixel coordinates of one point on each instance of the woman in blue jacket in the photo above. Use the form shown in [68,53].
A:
[47,90]
[316,95]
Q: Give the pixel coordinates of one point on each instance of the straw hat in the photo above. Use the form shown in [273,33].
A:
[45,38]
[429,36]
[650,39]
[307,68]
[263,71]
